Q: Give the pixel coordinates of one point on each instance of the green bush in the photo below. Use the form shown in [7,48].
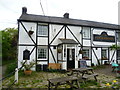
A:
[10,68]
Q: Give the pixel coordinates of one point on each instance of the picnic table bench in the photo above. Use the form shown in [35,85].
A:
[86,73]
[64,80]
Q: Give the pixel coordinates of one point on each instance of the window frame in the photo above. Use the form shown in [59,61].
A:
[41,31]
[104,53]
[118,36]
[46,56]
[86,29]
[87,57]
[118,58]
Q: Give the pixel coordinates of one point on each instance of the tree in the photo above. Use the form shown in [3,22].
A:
[9,43]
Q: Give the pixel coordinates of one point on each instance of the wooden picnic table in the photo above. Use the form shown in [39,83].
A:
[86,72]
[63,80]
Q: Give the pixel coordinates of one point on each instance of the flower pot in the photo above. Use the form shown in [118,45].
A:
[27,72]
[30,32]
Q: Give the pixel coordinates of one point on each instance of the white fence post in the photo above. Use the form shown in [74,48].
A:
[16,75]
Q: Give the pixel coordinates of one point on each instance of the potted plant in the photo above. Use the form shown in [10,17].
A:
[27,67]
[59,50]
[30,32]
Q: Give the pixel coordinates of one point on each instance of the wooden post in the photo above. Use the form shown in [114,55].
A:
[16,75]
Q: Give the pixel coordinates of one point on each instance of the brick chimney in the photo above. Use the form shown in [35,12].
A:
[66,15]
[24,10]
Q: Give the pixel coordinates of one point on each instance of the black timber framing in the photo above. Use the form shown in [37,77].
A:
[73,35]
[48,41]
[91,33]
[112,56]
[116,44]
[27,33]
[96,57]
[57,34]
[108,54]
[53,55]
[36,44]
[18,41]
[49,44]
[65,31]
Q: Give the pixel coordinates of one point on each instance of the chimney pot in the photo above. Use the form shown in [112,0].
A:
[66,15]
[24,10]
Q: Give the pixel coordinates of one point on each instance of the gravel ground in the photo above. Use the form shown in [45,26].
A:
[39,79]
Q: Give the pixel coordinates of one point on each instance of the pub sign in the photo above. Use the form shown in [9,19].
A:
[103,37]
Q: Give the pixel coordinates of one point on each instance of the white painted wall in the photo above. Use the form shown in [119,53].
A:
[54,29]
[20,54]
[23,36]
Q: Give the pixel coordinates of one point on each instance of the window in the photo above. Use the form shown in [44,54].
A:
[104,54]
[118,36]
[118,54]
[42,30]
[85,53]
[86,32]
[42,52]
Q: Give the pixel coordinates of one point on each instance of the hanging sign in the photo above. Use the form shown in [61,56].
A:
[103,37]
[26,55]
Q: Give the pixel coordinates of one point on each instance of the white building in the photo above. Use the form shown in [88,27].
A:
[65,41]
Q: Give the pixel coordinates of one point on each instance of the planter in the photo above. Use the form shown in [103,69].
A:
[30,32]
[27,72]
[59,50]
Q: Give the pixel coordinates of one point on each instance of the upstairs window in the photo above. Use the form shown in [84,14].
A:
[42,30]
[86,32]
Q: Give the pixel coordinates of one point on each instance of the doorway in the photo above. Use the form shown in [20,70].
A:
[70,58]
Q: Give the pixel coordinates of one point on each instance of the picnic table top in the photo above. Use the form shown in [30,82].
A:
[63,79]
[82,69]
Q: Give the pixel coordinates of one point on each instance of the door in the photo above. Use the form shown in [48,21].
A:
[70,58]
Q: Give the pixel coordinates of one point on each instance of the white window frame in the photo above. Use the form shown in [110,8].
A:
[88,53]
[86,32]
[46,52]
[42,32]
[104,54]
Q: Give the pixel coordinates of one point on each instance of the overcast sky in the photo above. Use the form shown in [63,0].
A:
[94,10]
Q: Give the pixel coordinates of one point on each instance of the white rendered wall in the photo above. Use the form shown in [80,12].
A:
[23,36]
[20,54]
[54,29]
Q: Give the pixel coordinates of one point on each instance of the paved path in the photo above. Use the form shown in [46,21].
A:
[107,71]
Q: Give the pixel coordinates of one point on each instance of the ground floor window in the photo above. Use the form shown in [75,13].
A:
[118,54]
[42,52]
[85,53]
[104,54]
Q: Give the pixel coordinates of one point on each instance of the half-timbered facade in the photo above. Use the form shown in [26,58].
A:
[65,41]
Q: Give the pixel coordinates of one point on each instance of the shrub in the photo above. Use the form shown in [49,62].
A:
[10,68]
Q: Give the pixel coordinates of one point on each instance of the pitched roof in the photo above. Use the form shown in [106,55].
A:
[68,21]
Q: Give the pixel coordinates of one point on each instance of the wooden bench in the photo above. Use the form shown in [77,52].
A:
[90,75]
[64,80]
